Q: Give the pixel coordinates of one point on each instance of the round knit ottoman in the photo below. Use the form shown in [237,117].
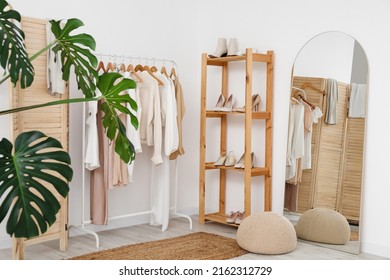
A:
[324,226]
[266,233]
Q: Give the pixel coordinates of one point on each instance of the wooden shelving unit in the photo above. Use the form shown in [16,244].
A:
[247,116]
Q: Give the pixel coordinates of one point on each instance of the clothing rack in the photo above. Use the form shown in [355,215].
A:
[173,210]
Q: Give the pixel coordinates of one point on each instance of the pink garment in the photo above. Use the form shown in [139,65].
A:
[111,173]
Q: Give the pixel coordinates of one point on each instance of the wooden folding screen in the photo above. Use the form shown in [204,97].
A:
[335,179]
[53,121]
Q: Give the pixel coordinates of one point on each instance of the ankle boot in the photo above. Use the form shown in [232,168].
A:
[221,48]
[233,47]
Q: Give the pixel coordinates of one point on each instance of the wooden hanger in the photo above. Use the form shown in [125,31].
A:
[123,67]
[130,69]
[153,69]
[173,73]
[304,100]
[110,66]
[139,67]
[101,67]
[147,68]
[164,71]
[309,85]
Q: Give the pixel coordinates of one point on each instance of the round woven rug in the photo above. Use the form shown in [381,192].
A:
[194,246]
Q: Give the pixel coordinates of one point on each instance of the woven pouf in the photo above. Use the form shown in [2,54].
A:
[266,233]
[324,226]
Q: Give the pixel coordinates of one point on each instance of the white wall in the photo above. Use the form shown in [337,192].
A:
[182,31]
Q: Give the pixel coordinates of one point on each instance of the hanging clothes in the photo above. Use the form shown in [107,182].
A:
[168,114]
[314,116]
[357,101]
[295,142]
[91,159]
[55,83]
[150,126]
[332,99]
[180,114]
[132,133]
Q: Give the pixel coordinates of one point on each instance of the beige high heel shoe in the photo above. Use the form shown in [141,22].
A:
[221,160]
[241,162]
[231,159]
[256,99]
[228,106]
[220,103]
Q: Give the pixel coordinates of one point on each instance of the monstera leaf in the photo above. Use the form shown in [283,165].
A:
[75,51]
[115,103]
[38,160]
[14,58]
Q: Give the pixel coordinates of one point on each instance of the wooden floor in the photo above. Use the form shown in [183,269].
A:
[82,244]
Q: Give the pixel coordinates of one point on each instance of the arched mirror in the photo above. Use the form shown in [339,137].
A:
[325,148]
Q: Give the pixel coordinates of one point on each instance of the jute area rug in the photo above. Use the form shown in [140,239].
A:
[194,246]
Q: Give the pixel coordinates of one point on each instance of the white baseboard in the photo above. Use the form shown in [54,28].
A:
[375,249]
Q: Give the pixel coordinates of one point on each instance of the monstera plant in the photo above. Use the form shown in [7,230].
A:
[36,160]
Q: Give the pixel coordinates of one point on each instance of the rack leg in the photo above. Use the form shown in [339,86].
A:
[184,216]
[88,232]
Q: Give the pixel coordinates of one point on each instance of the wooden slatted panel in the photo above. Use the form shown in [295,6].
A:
[53,121]
[329,156]
[305,190]
[353,166]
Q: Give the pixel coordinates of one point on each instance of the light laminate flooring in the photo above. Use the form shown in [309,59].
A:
[82,244]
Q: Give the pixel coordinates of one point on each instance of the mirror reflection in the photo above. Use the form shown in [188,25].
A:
[325,144]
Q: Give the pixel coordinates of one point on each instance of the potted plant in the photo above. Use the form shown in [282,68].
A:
[33,158]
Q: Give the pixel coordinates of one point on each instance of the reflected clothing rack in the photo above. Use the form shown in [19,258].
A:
[172,210]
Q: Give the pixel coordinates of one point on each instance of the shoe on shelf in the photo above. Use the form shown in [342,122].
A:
[230,159]
[231,217]
[239,218]
[221,160]
[220,103]
[221,50]
[233,47]
[229,103]
[241,162]
[256,99]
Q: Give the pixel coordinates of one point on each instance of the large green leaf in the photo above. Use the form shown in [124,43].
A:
[76,51]
[116,100]
[38,161]
[13,55]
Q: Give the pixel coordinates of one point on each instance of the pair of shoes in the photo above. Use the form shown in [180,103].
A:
[256,99]
[234,217]
[241,161]
[225,106]
[227,160]
[224,50]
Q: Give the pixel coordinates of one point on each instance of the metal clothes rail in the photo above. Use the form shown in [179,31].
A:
[82,226]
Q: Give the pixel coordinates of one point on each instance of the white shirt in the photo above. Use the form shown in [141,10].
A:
[92,139]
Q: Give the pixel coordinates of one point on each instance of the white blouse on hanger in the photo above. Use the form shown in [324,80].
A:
[168,114]
[150,126]
[295,143]
[92,140]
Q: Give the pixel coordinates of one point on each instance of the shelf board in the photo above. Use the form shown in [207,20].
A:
[255,115]
[255,171]
[220,61]
[219,218]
